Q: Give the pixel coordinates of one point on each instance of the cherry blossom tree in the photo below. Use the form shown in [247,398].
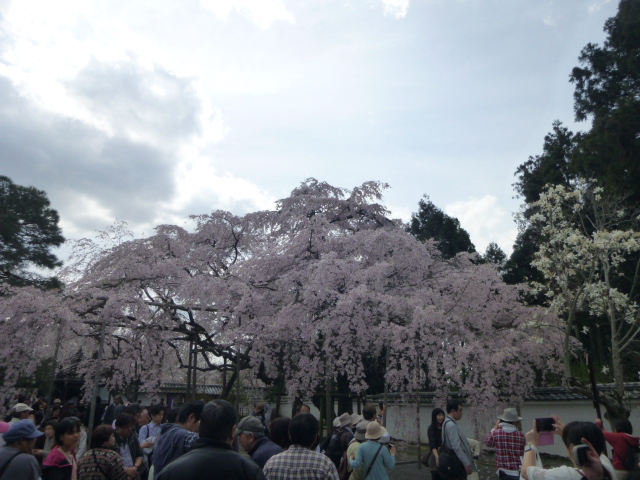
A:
[32,322]
[309,293]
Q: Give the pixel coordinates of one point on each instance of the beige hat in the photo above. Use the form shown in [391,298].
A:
[361,434]
[345,419]
[356,418]
[336,422]
[21,407]
[375,431]
[510,415]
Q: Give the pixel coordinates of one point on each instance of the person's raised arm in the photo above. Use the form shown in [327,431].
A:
[592,468]
[530,451]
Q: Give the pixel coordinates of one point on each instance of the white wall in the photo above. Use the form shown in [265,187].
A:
[402,419]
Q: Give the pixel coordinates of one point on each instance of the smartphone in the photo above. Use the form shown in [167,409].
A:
[544,424]
[581,454]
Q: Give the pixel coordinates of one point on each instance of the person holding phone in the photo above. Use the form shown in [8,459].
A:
[509,443]
[573,434]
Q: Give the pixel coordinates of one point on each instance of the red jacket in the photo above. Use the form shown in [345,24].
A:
[56,466]
[620,443]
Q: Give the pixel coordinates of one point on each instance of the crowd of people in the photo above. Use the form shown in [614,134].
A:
[517,457]
[205,440]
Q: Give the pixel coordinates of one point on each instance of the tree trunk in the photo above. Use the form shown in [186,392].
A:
[613,404]
[616,361]
[328,405]
[276,412]
[567,337]
[229,385]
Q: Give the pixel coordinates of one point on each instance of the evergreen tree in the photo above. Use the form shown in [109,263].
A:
[494,254]
[28,230]
[429,222]
[608,93]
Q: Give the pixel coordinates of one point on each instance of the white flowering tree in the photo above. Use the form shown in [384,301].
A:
[589,258]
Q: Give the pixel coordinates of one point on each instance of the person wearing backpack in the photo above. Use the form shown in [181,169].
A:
[113,411]
[626,447]
[340,439]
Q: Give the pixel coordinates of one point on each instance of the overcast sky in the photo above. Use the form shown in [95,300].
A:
[148,111]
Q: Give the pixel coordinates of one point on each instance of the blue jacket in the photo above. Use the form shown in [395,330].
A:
[263,450]
[173,442]
[385,462]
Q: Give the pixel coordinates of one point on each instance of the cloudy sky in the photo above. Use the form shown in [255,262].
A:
[150,110]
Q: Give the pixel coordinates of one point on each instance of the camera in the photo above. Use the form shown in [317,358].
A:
[544,424]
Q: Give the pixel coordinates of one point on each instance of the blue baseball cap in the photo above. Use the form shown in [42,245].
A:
[22,429]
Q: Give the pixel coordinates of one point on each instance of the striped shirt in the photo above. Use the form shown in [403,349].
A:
[300,463]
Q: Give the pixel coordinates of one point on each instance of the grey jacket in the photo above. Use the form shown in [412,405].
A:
[454,438]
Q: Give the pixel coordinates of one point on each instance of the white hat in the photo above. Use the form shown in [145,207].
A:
[21,407]
[356,418]
[344,419]
[510,415]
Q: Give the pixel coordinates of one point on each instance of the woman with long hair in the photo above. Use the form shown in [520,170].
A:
[434,433]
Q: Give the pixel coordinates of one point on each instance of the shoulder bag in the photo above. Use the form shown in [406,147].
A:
[6,465]
[451,467]
[373,461]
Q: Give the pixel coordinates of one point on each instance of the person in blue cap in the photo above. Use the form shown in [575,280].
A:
[16,460]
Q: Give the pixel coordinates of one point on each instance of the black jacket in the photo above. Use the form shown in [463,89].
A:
[211,459]
[134,446]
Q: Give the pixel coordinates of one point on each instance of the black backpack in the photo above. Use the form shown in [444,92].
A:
[334,449]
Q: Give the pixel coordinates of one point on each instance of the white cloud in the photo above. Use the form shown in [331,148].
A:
[263,13]
[396,8]
[400,212]
[486,221]
[89,211]
[214,127]
[551,21]
[596,6]
[201,188]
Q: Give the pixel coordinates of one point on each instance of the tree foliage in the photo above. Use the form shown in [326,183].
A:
[28,230]
[431,223]
[494,254]
[318,287]
[607,91]
[586,241]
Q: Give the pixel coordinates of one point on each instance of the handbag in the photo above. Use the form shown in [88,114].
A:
[451,467]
